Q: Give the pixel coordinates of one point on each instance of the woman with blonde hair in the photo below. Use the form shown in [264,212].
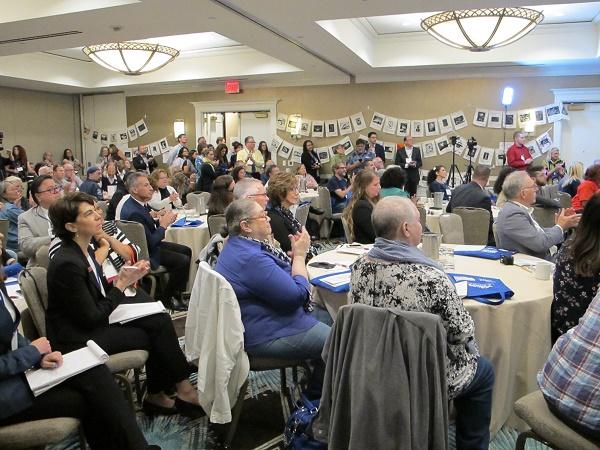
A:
[365,194]
[571,183]
[164,194]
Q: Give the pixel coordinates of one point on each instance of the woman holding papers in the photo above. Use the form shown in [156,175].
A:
[80,302]
[92,396]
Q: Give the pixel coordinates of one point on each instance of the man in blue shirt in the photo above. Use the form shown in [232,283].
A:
[358,158]
[91,185]
[338,188]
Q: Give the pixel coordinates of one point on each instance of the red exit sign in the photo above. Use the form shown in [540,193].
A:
[232,87]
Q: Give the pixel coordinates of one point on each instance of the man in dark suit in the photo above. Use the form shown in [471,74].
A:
[474,195]
[175,257]
[409,158]
[142,162]
[373,146]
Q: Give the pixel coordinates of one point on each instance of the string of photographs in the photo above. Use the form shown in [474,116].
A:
[435,147]
[524,117]
[113,137]
[298,126]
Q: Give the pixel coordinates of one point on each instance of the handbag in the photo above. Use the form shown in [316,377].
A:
[298,434]
[491,291]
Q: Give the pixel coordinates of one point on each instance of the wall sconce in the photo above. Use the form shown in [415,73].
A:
[178,127]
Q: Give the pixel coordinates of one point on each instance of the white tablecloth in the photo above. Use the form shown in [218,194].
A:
[514,336]
[195,238]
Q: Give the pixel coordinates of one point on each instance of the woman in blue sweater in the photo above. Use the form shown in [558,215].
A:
[436,183]
[272,290]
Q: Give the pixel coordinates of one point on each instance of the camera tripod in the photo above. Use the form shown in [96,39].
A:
[453,168]
[469,171]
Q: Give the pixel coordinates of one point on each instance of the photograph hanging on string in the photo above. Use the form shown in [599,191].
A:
[281,121]
[318,128]
[539,116]
[495,119]
[96,135]
[285,150]
[296,154]
[275,143]
[486,156]
[553,113]
[390,125]
[377,121]
[544,142]
[509,120]
[390,151]
[403,127]
[141,127]
[293,124]
[461,145]
[305,127]
[534,150]
[123,135]
[114,137]
[431,127]
[132,132]
[331,128]
[428,148]
[104,138]
[323,153]
[443,145]
[445,124]
[416,128]
[347,143]
[344,125]
[358,121]
[500,155]
[163,145]
[525,116]
[459,120]
[480,118]
[86,132]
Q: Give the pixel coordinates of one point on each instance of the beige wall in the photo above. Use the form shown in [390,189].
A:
[40,122]
[409,100]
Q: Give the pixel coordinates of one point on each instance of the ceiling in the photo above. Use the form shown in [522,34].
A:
[277,43]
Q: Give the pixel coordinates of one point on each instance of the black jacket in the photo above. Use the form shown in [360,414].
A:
[140,164]
[412,173]
[208,173]
[362,226]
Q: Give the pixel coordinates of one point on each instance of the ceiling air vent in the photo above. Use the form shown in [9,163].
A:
[42,36]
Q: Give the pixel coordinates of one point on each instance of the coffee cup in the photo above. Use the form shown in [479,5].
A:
[543,270]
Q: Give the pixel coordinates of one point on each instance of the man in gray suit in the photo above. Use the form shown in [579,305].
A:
[34,227]
[517,230]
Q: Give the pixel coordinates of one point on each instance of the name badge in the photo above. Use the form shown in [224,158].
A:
[522,157]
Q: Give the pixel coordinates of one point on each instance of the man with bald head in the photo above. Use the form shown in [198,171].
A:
[395,274]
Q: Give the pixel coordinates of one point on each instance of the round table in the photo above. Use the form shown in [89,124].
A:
[514,336]
[195,238]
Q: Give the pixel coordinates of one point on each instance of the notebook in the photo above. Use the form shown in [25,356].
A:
[131,311]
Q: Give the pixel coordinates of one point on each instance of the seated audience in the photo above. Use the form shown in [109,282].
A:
[208,171]
[554,167]
[577,272]
[272,290]
[252,189]
[357,160]
[569,184]
[58,172]
[570,379]
[11,195]
[263,176]
[339,157]
[305,178]
[116,153]
[310,160]
[539,176]
[68,157]
[181,162]
[588,187]
[123,168]
[221,196]
[104,157]
[183,184]
[238,173]
[393,181]
[48,158]
[365,194]
[110,178]
[283,194]
[143,162]
[71,181]
[35,229]
[91,185]
[175,257]
[436,181]
[80,301]
[164,195]
[504,172]
[395,274]
[93,397]
[517,229]
[269,172]
[338,187]
[192,156]
[474,195]
[115,204]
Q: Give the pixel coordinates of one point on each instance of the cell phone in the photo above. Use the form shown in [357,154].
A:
[321,265]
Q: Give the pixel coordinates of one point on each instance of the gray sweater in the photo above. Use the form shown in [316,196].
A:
[385,384]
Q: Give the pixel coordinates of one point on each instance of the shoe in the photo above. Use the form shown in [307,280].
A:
[315,210]
[154,447]
[188,409]
[151,409]
[175,304]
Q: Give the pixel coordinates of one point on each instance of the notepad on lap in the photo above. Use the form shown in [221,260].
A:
[74,363]
[131,311]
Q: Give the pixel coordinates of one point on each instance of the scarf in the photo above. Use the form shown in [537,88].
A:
[294,225]
[398,251]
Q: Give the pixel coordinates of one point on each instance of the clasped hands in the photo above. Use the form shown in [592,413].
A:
[50,359]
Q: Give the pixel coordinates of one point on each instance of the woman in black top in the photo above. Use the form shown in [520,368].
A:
[311,160]
[283,194]
[365,193]
[208,172]
[436,183]
[18,167]
[263,148]
[221,153]
[221,196]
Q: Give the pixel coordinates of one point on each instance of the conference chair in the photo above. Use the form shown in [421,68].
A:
[134,231]
[328,216]
[451,227]
[302,213]
[422,217]
[495,231]
[544,216]
[4,231]
[42,259]
[103,205]
[347,232]
[210,286]
[198,200]
[476,224]
[35,290]
[216,223]
[564,199]
[546,427]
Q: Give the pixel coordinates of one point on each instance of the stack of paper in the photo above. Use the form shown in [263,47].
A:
[131,311]
[338,279]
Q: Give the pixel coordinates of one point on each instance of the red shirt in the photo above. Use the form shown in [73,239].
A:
[516,156]
[585,191]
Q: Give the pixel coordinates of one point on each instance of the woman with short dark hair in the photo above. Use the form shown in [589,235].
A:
[436,183]
[221,196]
[310,159]
[393,181]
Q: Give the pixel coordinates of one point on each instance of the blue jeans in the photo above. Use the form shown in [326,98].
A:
[306,345]
[474,409]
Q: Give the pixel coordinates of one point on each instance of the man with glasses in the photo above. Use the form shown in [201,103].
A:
[338,188]
[71,181]
[252,157]
[34,227]
[252,189]
[517,229]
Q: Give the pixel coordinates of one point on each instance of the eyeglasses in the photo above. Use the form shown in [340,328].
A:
[264,215]
[264,194]
[54,190]
[531,187]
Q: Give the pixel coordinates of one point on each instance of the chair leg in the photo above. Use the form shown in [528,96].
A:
[286,400]
[124,381]
[235,415]
[138,386]
[82,443]
[520,444]
[152,286]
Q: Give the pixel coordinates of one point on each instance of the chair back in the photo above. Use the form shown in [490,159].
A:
[29,329]
[564,199]
[302,213]
[422,217]
[549,191]
[198,200]
[325,202]
[495,231]
[544,216]
[451,227]
[4,231]
[134,231]
[34,285]
[216,223]
[103,205]
[42,258]
[347,232]
[476,224]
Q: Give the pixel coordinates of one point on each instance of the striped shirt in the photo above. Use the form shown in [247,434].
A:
[570,379]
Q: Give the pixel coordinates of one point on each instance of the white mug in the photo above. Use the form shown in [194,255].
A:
[542,271]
